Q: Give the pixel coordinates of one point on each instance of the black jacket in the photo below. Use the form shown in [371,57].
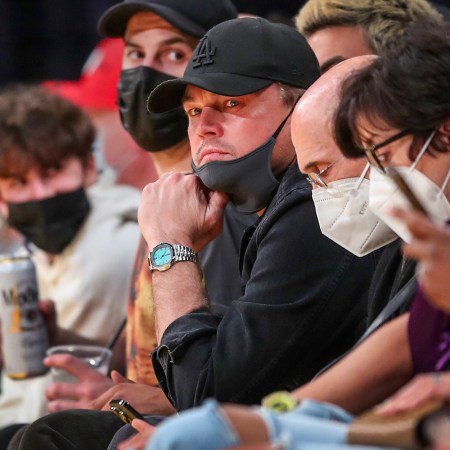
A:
[391,274]
[305,302]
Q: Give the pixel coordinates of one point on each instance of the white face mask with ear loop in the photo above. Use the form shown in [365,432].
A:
[345,218]
[384,195]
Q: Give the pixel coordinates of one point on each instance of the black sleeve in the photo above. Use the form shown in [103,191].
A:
[303,305]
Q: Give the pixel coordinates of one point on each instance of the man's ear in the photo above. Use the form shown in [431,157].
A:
[90,172]
[444,129]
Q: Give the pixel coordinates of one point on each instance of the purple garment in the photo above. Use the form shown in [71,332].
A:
[429,336]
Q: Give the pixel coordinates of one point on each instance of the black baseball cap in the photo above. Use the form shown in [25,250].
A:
[194,17]
[239,57]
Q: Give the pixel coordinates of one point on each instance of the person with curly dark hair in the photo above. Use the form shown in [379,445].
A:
[50,194]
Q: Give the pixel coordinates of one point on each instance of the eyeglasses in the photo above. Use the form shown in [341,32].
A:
[316,177]
[371,155]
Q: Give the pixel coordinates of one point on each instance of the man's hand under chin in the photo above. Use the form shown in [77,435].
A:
[179,209]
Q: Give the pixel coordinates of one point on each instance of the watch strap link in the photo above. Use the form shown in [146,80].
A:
[183,253]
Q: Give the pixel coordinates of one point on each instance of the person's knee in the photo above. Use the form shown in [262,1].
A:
[12,441]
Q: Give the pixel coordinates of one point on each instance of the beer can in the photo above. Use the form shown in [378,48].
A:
[24,335]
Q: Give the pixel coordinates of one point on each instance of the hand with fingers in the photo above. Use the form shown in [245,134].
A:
[146,399]
[421,389]
[48,311]
[178,208]
[91,384]
[431,248]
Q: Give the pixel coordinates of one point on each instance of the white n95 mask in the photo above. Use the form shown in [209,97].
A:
[344,216]
[384,195]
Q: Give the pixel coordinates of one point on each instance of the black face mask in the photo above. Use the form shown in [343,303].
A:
[51,224]
[249,180]
[152,131]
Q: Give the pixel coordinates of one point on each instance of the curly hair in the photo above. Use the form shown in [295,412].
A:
[40,129]
[407,88]
[384,21]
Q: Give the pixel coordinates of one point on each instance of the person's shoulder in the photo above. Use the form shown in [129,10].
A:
[293,192]
[115,200]
[114,190]
[293,182]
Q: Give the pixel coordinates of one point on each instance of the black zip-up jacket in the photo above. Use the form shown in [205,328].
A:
[305,303]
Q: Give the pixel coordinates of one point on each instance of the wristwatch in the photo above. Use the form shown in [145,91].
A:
[165,255]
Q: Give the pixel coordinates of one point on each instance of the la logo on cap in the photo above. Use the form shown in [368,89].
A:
[204,53]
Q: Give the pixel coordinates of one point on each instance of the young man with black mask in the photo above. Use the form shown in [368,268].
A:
[50,194]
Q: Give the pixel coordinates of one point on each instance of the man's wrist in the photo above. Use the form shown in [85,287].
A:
[165,254]
[170,238]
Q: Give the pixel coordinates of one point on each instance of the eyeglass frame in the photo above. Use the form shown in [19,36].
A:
[372,157]
[316,177]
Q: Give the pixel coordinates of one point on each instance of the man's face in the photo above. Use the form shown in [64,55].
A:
[434,166]
[316,150]
[223,128]
[37,184]
[160,47]
[312,126]
[338,43]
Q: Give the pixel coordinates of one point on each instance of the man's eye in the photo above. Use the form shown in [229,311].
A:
[176,55]
[232,103]
[383,157]
[13,183]
[194,112]
[135,54]
[50,172]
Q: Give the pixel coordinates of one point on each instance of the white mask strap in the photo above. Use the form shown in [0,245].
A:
[422,151]
[363,175]
[441,191]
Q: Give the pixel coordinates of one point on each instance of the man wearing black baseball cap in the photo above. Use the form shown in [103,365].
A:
[304,299]
[191,17]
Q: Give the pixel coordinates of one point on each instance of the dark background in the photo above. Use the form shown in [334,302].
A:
[51,39]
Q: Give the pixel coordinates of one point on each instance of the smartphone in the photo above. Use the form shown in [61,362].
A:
[400,182]
[124,410]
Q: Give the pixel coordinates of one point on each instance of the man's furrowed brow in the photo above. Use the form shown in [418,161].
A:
[309,166]
[186,98]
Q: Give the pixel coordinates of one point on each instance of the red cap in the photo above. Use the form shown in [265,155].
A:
[97,85]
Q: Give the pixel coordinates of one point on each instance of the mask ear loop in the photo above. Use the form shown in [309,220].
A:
[361,178]
[444,185]
[422,151]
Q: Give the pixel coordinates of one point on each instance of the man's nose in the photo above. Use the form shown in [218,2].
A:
[151,62]
[41,188]
[209,123]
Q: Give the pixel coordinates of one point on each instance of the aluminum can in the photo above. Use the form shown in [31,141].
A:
[24,335]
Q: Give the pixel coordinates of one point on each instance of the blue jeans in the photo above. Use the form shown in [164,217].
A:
[311,426]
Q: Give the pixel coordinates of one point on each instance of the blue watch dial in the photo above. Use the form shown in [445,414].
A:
[162,255]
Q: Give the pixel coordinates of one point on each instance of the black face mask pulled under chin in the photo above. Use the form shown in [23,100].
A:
[51,224]
[248,180]
[152,131]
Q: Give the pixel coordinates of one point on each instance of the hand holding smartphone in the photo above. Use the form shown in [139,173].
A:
[124,410]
